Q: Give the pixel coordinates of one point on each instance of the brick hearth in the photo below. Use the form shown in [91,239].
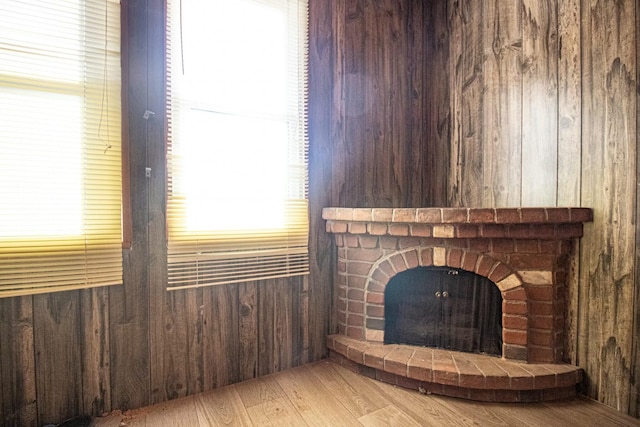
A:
[524,251]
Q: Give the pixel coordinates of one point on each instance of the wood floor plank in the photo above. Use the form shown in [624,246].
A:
[315,402]
[276,412]
[326,394]
[388,416]
[353,392]
[259,390]
[221,407]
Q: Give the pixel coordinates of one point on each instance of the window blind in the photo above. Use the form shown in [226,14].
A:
[237,205]
[60,166]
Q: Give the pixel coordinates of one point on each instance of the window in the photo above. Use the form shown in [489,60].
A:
[237,144]
[60,168]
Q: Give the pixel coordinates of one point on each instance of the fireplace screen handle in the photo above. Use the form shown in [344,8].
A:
[444,294]
[438,294]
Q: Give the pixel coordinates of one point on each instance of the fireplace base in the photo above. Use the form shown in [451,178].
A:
[450,373]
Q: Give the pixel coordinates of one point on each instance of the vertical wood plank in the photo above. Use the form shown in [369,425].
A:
[283,324]
[502,106]
[634,393]
[94,342]
[58,361]
[129,304]
[17,362]
[156,221]
[338,102]
[609,124]
[266,330]
[220,336]
[317,301]
[248,331]
[569,145]
[539,103]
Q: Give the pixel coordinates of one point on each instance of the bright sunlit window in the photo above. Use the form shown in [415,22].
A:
[237,146]
[60,175]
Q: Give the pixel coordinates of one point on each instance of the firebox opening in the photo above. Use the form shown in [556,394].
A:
[444,308]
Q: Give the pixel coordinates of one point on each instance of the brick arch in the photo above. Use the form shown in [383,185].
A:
[514,297]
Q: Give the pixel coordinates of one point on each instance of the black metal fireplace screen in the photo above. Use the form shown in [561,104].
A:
[443,308]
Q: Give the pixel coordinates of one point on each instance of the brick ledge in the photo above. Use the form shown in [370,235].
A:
[457,374]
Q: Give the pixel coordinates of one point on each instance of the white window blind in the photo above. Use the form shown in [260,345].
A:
[237,143]
[60,167]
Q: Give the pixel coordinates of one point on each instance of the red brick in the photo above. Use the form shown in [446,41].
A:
[364,254]
[467,231]
[387,268]
[516,294]
[454,215]
[541,354]
[514,307]
[469,261]
[338,227]
[515,322]
[514,337]
[356,282]
[375,298]
[454,258]
[540,293]
[479,245]
[382,215]
[375,310]
[411,258]
[542,322]
[404,215]
[527,246]
[342,266]
[544,231]
[377,229]
[420,230]
[398,229]
[503,245]
[541,337]
[355,320]
[527,262]
[533,215]
[568,230]
[408,242]
[499,272]
[357,228]
[361,268]
[368,242]
[355,332]
[351,241]
[356,307]
[426,257]
[537,308]
[355,294]
[484,266]
[389,242]
[482,215]
[558,214]
[380,277]
[398,262]
[521,231]
[548,246]
[507,216]
[429,215]
[581,214]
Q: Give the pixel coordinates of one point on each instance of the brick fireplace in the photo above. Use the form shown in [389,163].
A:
[525,252]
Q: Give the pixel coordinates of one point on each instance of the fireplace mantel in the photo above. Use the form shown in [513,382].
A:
[526,252]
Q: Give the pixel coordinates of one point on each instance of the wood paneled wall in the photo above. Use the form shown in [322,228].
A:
[494,104]
[413,103]
[123,347]
[544,113]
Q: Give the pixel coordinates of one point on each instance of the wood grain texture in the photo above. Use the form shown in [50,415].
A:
[609,117]
[286,399]
[539,103]
[17,362]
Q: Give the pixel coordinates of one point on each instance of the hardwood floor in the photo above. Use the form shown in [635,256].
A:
[325,394]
